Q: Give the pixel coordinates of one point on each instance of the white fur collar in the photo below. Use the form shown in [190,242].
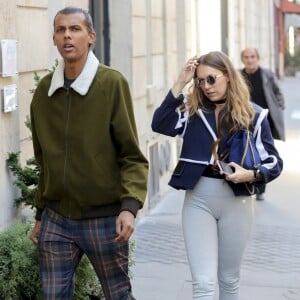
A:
[82,83]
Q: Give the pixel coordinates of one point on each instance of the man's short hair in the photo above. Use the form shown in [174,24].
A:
[253,48]
[73,10]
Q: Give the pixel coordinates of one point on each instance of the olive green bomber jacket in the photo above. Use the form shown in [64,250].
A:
[85,141]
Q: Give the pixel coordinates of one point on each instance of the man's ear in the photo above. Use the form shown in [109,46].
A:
[54,43]
[92,37]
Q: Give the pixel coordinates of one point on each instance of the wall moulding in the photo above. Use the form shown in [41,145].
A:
[33,3]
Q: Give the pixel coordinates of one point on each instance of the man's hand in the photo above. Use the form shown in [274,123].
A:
[124,226]
[35,232]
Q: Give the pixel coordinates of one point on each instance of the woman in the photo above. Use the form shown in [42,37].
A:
[216,217]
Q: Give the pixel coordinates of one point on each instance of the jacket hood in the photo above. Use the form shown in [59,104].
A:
[82,83]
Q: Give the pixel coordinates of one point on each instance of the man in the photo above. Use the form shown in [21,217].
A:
[93,175]
[265,91]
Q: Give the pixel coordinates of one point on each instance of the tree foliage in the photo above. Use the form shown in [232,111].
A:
[26,178]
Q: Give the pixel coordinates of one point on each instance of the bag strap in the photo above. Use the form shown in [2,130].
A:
[246,148]
[250,188]
[248,145]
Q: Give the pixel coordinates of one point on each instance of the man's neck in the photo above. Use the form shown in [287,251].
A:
[74,68]
[251,71]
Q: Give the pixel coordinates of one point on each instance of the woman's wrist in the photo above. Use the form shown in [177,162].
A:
[256,175]
[177,88]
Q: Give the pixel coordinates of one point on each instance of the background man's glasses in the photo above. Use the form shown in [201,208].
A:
[210,79]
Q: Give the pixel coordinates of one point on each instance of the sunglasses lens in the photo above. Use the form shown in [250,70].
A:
[210,79]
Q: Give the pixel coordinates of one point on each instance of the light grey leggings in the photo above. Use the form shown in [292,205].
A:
[216,228]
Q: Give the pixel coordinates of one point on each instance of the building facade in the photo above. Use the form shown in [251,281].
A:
[147,40]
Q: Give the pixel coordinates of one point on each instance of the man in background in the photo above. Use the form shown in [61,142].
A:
[265,91]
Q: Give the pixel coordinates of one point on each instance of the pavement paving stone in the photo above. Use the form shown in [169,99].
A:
[160,242]
[274,248]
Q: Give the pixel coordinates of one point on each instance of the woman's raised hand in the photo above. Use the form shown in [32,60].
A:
[185,75]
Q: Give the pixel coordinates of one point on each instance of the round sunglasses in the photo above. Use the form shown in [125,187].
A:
[210,79]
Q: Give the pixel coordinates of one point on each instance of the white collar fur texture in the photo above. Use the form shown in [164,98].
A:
[82,83]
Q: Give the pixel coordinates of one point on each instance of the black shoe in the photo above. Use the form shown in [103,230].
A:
[260,197]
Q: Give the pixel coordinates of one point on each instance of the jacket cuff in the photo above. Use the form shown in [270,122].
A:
[179,100]
[38,214]
[130,204]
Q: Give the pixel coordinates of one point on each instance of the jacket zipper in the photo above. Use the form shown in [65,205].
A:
[66,138]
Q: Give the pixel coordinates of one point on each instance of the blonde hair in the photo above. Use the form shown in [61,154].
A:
[238,112]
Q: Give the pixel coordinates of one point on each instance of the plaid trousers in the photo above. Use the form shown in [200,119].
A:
[63,241]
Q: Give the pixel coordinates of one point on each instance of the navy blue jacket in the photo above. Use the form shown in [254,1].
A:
[199,132]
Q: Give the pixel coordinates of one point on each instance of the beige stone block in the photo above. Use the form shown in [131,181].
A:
[8,20]
[139,79]
[157,9]
[26,149]
[25,84]
[173,68]
[79,3]
[32,3]
[33,39]
[139,7]
[158,36]
[172,38]
[158,71]
[139,36]
[140,112]
[171,9]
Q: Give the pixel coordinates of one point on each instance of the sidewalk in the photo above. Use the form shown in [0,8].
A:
[161,271]
[271,266]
